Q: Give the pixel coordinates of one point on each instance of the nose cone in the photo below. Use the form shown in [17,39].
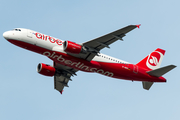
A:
[6,35]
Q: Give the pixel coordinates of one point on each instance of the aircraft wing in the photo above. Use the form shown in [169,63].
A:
[95,45]
[62,76]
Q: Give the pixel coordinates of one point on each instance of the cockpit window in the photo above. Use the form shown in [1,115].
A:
[17,30]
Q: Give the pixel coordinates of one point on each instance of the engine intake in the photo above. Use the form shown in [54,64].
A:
[72,47]
[45,69]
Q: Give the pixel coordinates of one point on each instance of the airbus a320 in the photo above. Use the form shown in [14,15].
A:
[69,57]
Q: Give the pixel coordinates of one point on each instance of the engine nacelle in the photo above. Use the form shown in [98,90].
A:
[72,47]
[45,69]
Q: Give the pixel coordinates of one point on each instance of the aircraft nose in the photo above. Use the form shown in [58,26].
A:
[6,35]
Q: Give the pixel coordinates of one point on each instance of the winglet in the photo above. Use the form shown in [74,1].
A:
[61,91]
[138,26]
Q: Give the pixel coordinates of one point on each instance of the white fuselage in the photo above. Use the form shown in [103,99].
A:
[50,43]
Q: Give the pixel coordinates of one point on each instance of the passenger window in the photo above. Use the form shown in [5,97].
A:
[17,29]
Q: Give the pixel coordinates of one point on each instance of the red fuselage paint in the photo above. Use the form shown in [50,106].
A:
[115,70]
[102,64]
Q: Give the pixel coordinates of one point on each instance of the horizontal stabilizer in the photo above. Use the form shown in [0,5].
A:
[147,85]
[161,71]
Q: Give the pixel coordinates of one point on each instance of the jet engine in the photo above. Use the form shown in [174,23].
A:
[72,47]
[45,69]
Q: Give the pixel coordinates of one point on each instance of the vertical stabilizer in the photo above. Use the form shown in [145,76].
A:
[153,60]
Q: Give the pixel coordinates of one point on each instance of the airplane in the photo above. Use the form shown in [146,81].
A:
[69,57]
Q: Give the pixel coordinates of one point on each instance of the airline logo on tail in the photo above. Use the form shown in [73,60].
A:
[154,60]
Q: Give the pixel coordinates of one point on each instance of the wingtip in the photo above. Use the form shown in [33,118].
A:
[138,26]
[61,92]
[174,66]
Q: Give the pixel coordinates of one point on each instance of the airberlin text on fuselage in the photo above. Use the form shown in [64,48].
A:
[51,39]
[77,65]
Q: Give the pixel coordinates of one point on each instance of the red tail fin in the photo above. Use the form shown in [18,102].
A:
[153,60]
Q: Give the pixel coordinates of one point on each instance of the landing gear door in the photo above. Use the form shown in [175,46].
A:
[29,33]
[135,69]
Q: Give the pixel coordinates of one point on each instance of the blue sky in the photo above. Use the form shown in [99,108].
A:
[25,94]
